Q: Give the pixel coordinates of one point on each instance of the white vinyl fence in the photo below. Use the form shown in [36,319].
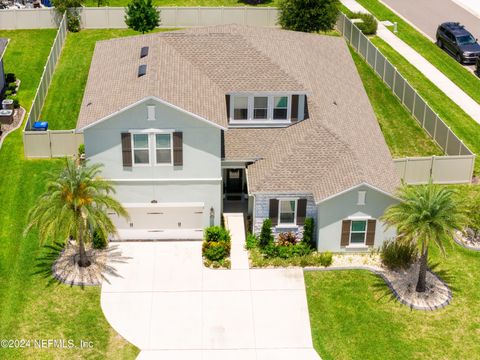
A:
[38,143]
[114,17]
[458,164]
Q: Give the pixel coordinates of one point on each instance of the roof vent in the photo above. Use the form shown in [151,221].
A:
[144,52]
[142,70]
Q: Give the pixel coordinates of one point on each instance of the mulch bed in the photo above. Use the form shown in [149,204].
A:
[467,239]
[66,270]
[402,283]
[17,122]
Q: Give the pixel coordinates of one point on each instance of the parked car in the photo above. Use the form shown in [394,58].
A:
[455,39]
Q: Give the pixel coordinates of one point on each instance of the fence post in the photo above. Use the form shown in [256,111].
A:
[344,21]
[431,168]
[424,114]
[446,141]
[394,79]
[414,102]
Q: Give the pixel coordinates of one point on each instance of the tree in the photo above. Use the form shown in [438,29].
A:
[266,236]
[142,16]
[425,214]
[308,15]
[69,6]
[76,203]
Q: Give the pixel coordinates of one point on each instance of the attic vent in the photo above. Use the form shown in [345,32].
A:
[144,52]
[142,70]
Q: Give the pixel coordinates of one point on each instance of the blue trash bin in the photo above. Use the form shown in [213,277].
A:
[40,126]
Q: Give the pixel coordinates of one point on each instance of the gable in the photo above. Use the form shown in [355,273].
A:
[137,115]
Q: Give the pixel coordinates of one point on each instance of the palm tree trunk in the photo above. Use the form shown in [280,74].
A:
[83,260]
[422,274]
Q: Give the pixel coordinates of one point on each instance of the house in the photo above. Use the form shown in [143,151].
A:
[273,122]
[3,48]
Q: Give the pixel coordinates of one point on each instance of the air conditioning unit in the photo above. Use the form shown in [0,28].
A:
[6,116]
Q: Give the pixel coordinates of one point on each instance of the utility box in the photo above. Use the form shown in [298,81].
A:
[6,116]
[7,104]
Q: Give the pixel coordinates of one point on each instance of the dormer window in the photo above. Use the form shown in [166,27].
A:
[240,107]
[266,110]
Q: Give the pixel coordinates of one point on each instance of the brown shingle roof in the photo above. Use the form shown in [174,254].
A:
[339,146]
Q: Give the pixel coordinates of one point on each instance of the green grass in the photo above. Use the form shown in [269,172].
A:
[65,94]
[113,3]
[463,78]
[353,315]
[462,124]
[30,308]
[402,133]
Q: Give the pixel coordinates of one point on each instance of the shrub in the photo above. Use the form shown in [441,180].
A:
[266,236]
[252,241]
[398,254]
[216,233]
[16,103]
[98,240]
[326,259]
[216,250]
[10,78]
[8,93]
[369,24]
[12,87]
[308,15]
[81,149]
[73,21]
[270,250]
[142,16]
[253,2]
[286,239]
[308,232]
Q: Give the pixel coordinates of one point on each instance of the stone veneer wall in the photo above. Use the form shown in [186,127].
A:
[262,204]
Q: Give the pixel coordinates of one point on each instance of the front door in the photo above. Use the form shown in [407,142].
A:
[234,182]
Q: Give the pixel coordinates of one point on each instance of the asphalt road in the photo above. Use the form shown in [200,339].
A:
[428,14]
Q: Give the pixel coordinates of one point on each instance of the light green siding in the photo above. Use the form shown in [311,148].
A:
[332,212]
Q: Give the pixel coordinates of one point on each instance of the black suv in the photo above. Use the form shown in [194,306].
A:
[453,38]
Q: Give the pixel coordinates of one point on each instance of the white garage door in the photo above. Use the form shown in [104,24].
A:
[162,216]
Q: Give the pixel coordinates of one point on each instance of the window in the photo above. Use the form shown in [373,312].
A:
[260,107]
[240,108]
[287,211]
[358,232]
[141,149]
[280,108]
[163,148]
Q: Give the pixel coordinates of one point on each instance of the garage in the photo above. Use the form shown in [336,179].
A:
[151,221]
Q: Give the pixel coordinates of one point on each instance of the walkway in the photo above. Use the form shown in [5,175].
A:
[470,106]
[238,255]
[170,306]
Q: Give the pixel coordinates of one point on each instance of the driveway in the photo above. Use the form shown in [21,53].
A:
[171,307]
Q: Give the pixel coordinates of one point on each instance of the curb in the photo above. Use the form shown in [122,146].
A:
[390,286]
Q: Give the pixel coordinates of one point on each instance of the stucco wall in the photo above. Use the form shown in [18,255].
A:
[261,211]
[198,180]
[332,212]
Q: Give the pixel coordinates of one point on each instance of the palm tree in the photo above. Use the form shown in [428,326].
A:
[75,203]
[425,214]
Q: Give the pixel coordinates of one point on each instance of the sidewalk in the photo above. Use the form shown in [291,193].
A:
[472,6]
[238,254]
[470,106]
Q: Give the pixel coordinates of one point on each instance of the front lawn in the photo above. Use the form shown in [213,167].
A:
[65,94]
[353,315]
[122,3]
[30,307]
[463,78]
[402,133]
[462,125]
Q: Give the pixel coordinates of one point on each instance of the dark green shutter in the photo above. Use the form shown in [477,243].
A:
[273,211]
[127,149]
[294,114]
[345,239]
[301,211]
[177,148]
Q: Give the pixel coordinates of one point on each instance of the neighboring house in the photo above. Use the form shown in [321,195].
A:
[3,48]
[189,122]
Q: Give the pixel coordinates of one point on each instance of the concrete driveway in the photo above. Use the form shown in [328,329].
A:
[171,307]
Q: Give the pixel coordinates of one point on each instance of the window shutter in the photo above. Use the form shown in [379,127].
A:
[371,225]
[301,211]
[127,149]
[273,211]
[294,114]
[227,99]
[345,240]
[177,148]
